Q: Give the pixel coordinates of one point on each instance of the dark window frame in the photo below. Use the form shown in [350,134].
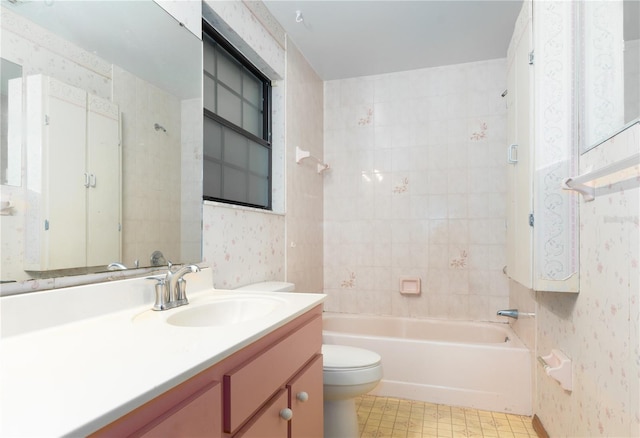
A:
[265,140]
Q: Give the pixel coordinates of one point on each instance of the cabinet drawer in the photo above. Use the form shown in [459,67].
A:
[191,409]
[247,387]
[268,423]
[197,416]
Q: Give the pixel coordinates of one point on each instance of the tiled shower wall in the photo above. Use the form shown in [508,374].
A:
[417,189]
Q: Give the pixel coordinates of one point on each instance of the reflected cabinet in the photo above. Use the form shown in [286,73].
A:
[73,178]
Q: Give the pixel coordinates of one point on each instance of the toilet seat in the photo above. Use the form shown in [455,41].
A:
[342,357]
[344,365]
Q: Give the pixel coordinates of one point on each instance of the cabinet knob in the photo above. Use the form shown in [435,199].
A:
[302,396]
[286,414]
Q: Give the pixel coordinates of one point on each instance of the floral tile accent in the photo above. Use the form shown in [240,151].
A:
[350,283]
[402,187]
[460,261]
[481,134]
[367,119]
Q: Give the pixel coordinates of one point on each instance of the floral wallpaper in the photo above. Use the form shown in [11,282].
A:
[242,246]
[596,328]
[599,327]
[417,189]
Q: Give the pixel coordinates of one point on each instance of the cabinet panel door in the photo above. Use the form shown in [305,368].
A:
[64,178]
[103,166]
[520,174]
[306,401]
[268,423]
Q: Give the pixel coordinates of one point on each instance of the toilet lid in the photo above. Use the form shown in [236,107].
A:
[343,356]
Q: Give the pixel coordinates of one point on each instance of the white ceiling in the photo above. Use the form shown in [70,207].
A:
[350,38]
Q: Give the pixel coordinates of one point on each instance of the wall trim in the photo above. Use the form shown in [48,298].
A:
[538,427]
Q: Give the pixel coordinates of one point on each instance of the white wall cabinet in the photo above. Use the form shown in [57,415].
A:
[73,177]
[519,158]
[542,219]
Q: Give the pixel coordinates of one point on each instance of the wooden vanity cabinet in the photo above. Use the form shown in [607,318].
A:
[249,394]
[295,411]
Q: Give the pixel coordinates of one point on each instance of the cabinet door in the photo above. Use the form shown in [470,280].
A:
[63,171]
[268,423]
[520,173]
[306,401]
[103,167]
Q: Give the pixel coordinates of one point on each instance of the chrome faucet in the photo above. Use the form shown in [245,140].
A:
[115,266]
[513,313]
[171,289]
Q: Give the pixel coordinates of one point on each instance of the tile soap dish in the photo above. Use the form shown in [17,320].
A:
[410,286]
[558,366]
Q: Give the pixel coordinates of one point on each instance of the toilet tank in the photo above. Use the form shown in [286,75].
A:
[270,286]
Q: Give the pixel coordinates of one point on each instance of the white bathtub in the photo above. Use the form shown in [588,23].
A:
[478,365]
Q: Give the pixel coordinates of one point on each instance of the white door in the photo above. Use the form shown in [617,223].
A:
[64,176]
[103,166]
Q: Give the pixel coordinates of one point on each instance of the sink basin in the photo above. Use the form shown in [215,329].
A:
[224,312]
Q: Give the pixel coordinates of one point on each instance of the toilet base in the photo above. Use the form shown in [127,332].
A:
[340,419]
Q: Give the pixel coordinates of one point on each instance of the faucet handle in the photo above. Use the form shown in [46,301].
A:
[162,293]
[181,292]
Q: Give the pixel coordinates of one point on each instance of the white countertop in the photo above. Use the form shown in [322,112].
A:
[72,379]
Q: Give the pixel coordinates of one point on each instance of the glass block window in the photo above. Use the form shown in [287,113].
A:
[237,126]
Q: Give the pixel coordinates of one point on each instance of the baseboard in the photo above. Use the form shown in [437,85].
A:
[539,428]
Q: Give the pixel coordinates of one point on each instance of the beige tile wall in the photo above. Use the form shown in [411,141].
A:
[417,188]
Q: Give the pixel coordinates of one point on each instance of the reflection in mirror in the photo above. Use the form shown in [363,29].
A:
[610,69]
[138,59]
[10,158]
[631,29]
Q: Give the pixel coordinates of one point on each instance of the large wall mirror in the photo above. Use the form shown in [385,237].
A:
[609,67]
[144,63]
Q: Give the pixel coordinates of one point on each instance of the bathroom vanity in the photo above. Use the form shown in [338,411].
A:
[228,364]
[275,381]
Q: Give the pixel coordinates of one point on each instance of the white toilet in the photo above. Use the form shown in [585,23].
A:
[347,373]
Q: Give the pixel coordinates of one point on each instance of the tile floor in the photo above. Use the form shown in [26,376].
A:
[386,417]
